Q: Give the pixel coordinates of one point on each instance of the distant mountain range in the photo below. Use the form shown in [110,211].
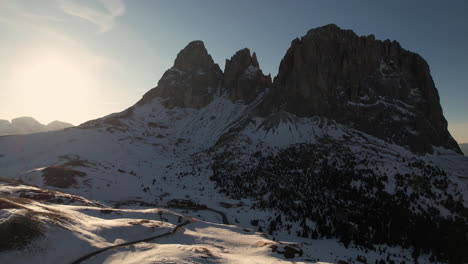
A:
[29,125]
[464,148]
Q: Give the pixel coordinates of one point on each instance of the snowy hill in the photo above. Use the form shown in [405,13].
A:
[29,125]
[238,151]
[58,227]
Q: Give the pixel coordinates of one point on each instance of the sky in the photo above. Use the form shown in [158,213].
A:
[73,60]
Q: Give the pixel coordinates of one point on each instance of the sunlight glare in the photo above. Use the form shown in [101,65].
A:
[52,83]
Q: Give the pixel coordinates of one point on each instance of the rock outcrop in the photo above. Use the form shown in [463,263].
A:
[373,86]
[195,79]
[243,78]
[191,82]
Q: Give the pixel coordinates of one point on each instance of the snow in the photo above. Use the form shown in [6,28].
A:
[158,149]
[87,228]
[250,72]
[395,104]
[200,242]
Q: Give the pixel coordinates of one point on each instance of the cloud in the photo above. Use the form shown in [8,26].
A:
[40,17]
[104,19]
[40,28]
[13,11]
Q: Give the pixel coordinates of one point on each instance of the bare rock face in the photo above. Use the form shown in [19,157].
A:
[243,78]
[373,86]
[191,82]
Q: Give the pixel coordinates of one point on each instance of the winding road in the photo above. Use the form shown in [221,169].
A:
[223,215]
[173,231]
[92,254]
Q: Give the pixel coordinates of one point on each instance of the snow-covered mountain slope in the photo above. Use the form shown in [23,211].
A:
[204,147]
[158,155]
[42,225]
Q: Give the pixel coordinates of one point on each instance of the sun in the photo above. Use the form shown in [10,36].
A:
[49,84]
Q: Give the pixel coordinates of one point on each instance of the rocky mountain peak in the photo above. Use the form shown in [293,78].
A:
[240,61]
[243,78]
[194,57]
[191,82]
[374,86]
[254,60]
[328,31]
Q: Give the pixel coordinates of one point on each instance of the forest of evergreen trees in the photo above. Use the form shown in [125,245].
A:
[344,198]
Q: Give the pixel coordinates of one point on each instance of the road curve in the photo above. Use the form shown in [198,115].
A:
[223,215]
[92,254]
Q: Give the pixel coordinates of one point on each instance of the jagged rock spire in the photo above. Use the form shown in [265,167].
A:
[194,57]
[191,82]
[243,78]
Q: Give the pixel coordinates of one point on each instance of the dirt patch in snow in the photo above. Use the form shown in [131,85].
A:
[202,252]
[18,231]
[288,251]
[61,177]
[6,205]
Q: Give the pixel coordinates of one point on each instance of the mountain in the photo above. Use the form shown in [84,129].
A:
[373,86]
[6,128]
[464,148]
[29,125]
[57,125]
[344,157]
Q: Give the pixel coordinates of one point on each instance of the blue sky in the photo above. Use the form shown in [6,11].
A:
[108,53]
